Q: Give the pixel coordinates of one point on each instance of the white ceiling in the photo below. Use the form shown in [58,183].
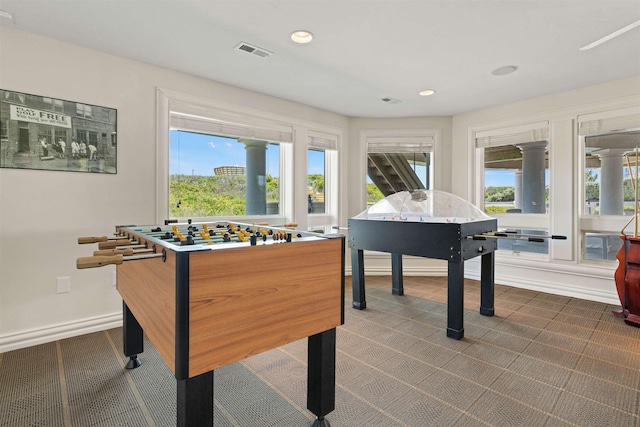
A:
[364,50]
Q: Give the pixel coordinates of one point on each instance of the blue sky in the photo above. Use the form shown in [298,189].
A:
[498,178]
[198,154]
[503,177]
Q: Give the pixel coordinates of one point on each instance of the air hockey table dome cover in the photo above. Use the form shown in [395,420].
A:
[423,206]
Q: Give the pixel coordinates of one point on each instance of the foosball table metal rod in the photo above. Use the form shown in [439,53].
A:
[124,251]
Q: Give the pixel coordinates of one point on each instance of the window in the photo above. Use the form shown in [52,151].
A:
[514,164]
[608,141]
[15,97]
[53,104]
[4,129]
[225,169]
[316,175]
[213,175]
[83,110]
[283,142]
[322,173]
[398,163]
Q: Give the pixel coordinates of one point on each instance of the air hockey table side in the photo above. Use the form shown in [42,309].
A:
[449,241]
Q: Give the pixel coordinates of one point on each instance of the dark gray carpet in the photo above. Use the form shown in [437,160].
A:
[542,360]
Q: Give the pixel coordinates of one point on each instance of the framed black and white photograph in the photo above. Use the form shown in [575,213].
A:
[39,132]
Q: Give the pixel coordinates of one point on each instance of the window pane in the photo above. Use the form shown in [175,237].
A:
[389,173]
[316,177]
[523,244]
[516,178]
[600,246]
[607,180]
[208,176]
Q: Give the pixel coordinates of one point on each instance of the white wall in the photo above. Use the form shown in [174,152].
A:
[563,273]
[42,213]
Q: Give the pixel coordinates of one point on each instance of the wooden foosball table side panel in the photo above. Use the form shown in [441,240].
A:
[148,288]
[244,301]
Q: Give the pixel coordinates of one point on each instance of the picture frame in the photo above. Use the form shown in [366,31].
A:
[45,133]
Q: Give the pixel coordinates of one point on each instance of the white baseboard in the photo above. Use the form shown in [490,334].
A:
[599,294]
[53,333]
[570,282]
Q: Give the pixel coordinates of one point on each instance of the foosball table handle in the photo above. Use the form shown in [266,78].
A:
[93,239]
[99,261]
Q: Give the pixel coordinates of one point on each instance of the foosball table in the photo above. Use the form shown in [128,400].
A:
[211,294]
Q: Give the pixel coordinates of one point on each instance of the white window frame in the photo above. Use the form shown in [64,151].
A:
[496,136]
[591,124]
[230,118]
[328,143]
[400,139]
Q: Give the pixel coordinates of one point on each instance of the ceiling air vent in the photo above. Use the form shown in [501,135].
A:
[389,100]
[254,50]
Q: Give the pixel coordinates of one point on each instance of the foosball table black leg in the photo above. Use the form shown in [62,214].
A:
[132,338]
[321,422]
[321,375]
[195,401]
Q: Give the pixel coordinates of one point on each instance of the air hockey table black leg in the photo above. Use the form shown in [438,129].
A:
[455,300]
[132,337]
[321,376]
[487,277]
[397,286]
[357,279]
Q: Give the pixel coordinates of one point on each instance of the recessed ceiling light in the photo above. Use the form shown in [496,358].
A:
[427,92]
[507,69]
[301,36]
